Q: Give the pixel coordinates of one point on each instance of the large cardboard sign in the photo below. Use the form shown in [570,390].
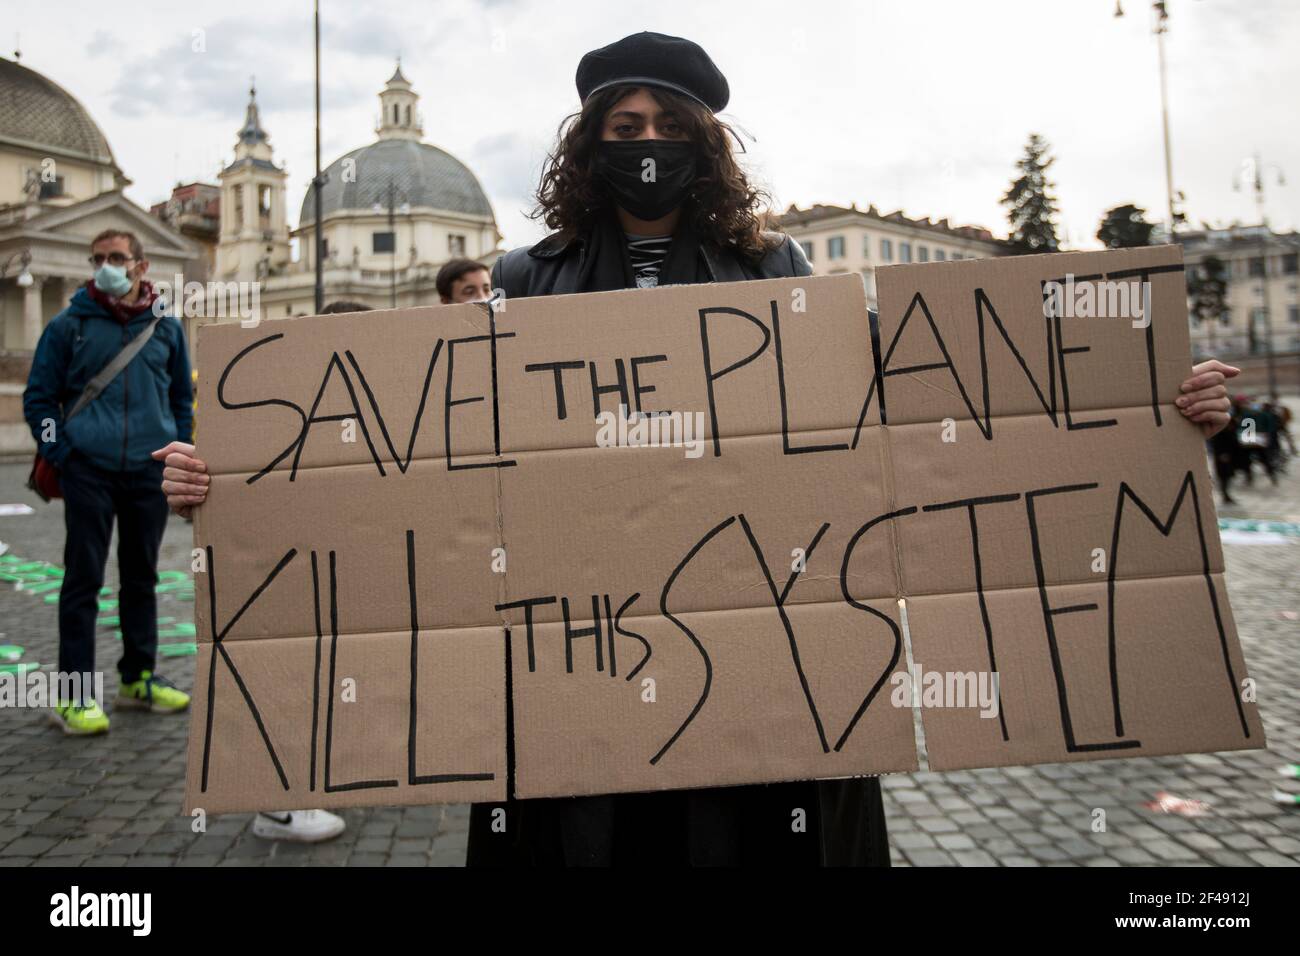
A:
[428,528]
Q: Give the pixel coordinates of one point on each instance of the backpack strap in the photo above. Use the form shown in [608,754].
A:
[114,368]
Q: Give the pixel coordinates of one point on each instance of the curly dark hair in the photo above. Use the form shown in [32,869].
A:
[723,206]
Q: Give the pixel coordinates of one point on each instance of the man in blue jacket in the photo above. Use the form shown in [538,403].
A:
[106,470]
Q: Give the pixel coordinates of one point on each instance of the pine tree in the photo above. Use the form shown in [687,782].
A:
[1031,206]
[1125,227]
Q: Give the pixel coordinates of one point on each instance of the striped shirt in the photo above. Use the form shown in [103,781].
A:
[647,254]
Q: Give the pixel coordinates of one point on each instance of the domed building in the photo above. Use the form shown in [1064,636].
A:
[37,112]
[392,213]
[59,187]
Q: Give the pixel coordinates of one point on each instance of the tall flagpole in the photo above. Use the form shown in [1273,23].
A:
[1162,27]
[318,239]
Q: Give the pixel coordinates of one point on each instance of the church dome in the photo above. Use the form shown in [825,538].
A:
[37,112]
[422,175]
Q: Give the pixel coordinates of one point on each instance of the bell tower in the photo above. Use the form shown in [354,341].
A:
[254,240]
[398,116]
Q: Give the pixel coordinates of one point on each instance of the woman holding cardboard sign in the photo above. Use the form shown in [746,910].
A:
[643,189]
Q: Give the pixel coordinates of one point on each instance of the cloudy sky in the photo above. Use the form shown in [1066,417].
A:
[922,105]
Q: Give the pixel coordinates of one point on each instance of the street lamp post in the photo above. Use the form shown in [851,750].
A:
[24,257]
[1160,29]
[1253,176]
[25,280]
[393,194]
[318,240]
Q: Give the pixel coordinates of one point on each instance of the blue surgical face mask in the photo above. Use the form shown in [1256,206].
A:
[113,280]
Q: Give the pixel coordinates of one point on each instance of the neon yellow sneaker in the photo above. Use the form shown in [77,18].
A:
[153,693]
[84,719]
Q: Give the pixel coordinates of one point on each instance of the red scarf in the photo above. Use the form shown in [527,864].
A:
[118,309]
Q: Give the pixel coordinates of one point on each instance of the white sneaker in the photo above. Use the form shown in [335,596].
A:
[300,826]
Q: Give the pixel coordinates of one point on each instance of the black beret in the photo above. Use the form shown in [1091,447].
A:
[653,59]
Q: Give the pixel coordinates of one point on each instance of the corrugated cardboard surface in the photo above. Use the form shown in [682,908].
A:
[734,617]
[1066,441]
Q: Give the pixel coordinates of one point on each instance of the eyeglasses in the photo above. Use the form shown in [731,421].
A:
[113,259]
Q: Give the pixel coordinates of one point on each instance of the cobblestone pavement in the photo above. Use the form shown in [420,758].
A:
[116,800]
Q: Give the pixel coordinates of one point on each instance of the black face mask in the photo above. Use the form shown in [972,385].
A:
[623,167]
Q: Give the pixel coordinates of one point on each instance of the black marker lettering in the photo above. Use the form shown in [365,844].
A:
[1146,272]
[557,368]
[970,505]
[571,634]
[413,778]
[1049,615]
[787,448]
[982,303]
[1061,352]
[618,626]
[710,376]
[893,628]
[419,411]
[355,415]
[224,403]
[1165,527]
[704,655]
[334,692]
[218,648]
[620,386]
[528,606]
[877,384]
[451,402]
[779,600]
[637,388]
[947,363]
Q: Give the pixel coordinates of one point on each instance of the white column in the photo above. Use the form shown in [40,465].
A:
[65,288]
[32,319]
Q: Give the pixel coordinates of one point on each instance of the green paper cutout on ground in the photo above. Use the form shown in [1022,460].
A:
[41,577]
[1255,524]
[42,587]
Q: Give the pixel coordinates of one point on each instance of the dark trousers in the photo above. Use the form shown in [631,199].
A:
[91,499]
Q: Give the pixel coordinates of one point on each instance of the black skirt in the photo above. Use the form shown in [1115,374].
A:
[813,823]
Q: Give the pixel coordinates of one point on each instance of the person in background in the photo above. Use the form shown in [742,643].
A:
[1284,428]
[342,305]
[463,280]
[297,826]
[105,470]
[1259,437]
[1283,444]
[1229,455]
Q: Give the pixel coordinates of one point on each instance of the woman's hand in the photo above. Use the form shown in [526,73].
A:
[185,478]
[1205,397]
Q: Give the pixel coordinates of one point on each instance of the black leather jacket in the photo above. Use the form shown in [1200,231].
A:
[554,266]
